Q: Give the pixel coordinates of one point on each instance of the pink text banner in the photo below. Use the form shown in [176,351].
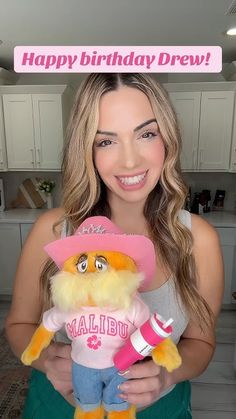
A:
[106,59]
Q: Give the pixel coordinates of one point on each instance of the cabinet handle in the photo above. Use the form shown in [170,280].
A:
[39,159]
[201,156]
[32,152]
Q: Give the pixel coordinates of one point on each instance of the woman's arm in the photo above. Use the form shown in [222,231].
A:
[196,348]
[26,304]
[24,314]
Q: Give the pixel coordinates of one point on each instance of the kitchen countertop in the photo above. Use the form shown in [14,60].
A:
[221,218]
[20,215]
[24,215]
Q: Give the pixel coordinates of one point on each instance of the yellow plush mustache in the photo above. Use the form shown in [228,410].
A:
[113,289]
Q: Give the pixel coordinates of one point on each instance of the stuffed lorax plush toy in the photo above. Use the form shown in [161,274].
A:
[95,296]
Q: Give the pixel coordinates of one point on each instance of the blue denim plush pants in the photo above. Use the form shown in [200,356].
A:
[93,387]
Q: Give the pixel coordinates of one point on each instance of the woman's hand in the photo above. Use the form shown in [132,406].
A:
[146,381]
[58,366]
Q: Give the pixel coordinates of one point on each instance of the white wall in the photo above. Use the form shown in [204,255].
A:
[75,79]
[72,79]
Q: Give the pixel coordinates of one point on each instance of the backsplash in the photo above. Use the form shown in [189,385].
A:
[12,180]
[197,182]
[213,181]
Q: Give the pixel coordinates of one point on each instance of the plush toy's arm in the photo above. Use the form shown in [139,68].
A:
[40,340]
[166,354]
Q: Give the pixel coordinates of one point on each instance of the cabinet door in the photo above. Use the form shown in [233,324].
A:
[10,248]
[233,288]
[215,130]
[48,130]
[19,131]
[233,149]
[187,107]
[3,157]
[228,243]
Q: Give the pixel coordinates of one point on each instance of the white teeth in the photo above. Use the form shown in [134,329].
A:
[132,180]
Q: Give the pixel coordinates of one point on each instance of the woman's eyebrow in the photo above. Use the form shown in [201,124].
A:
[105,132]
[144,124]
[135,129]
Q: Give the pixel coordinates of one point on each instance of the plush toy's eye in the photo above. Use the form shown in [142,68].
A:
[101,264]
[82,264]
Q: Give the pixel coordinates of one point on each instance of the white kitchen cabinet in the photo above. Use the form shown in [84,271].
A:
[10,248]
[35,124]
[3,156]
[19,127]
[206,120]
[215,130]
[12,238]
[34,131]
[48,130]
[228,246]
[233,148]
[233,288]
[187,107]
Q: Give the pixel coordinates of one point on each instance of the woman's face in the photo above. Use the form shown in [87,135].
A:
[128,148]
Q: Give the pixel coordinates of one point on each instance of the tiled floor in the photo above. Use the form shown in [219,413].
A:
[214,392]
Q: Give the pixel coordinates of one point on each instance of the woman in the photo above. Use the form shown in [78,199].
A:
[122,160]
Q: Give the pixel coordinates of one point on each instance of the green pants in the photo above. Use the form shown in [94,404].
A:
[43,402]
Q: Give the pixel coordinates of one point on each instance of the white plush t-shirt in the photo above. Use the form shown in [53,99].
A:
[97,334]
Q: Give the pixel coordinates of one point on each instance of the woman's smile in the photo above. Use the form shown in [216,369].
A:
[132,182]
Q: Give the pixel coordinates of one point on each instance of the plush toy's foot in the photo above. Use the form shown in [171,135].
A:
[124,414]
[94,414]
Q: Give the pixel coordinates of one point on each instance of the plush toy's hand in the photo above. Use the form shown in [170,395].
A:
[40,340]
[166,354]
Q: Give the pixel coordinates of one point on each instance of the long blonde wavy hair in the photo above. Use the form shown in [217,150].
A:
[84,193]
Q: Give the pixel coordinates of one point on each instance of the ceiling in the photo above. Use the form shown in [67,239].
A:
[115,22]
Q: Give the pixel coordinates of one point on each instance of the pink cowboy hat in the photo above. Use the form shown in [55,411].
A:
[100,234]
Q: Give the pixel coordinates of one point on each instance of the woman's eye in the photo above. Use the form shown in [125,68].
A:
[100,265]
[103,143]
[82,266]
[149,134]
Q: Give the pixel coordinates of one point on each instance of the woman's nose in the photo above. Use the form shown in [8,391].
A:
[130,156]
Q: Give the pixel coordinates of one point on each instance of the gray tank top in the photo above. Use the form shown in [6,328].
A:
[165,301]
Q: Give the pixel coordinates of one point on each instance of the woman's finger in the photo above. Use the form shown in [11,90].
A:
[60,350]
[140,399]
[140,386]
[59,364]
[143,370]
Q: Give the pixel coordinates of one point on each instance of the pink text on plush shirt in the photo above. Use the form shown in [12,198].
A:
[105,325]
